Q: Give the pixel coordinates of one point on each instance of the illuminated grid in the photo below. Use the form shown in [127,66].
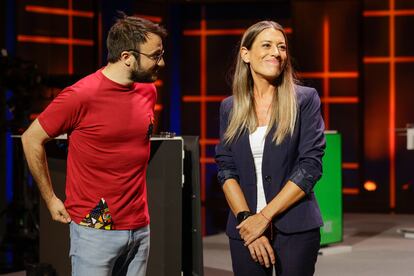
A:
[391,59]
[70,40]
[326,75]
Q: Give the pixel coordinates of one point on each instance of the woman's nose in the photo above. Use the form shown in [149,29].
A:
[275,51]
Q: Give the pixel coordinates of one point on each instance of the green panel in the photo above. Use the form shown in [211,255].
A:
[328,191]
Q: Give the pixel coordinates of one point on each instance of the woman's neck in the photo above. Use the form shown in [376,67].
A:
[262,88]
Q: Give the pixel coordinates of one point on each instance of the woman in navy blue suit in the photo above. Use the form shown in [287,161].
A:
[269,159]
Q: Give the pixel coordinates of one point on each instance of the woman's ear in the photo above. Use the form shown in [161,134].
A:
[245,54]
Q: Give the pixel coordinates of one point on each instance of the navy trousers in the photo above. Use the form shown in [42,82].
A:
[295,254]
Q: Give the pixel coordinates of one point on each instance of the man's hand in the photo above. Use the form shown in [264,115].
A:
[262,252]
[58,210]
[252,228]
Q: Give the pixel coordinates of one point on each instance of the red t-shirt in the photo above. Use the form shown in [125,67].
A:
[107,126]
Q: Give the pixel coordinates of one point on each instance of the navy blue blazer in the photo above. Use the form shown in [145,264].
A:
[298,159]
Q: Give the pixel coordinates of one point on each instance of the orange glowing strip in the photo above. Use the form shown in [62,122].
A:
[322,75]
[158,107]
[70,46]
[158,83]
[376,13]
[347,100]
[350,191]
[388,59]
[189,99]
[57,11]
[403,59]
[209,141]
[54,40]
[217,32]
[207,160]
[326,69]
[391,127]
[403,12]
[377,59]
[350,166]
[380,13]
[155,19]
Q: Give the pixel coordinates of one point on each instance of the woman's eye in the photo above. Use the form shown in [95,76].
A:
[282,47]
[266,45]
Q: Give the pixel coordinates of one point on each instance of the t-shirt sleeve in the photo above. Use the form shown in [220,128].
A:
[63,114]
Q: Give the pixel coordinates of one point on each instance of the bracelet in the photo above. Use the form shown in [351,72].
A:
[268,220]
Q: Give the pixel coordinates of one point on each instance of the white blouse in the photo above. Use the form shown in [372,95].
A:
[257,141]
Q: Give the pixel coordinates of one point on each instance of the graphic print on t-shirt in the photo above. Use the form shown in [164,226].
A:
[99,217]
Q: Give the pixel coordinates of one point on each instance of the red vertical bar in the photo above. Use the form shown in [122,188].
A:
[326,70]
[391,130]
[70,36]
[203,111]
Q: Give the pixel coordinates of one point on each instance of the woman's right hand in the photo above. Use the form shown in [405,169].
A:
[262,252]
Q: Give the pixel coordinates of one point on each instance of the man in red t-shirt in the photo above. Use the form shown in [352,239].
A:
[108,117]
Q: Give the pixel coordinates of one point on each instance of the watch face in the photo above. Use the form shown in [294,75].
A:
[242,216]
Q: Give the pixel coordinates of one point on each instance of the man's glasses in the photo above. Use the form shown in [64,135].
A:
[155,57]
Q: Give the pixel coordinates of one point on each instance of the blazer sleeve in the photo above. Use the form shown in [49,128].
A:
[308,167]
[224,156]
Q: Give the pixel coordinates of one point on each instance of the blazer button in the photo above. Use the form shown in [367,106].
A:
[268,178]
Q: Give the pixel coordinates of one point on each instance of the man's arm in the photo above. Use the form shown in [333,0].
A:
[33,140]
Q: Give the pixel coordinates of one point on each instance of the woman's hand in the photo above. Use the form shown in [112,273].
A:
[262,252]
[252,228]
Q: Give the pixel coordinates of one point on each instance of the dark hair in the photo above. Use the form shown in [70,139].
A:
[129,32]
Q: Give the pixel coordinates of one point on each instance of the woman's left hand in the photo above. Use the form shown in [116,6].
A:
[252,228]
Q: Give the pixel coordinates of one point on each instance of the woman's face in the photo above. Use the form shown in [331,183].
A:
[268,54]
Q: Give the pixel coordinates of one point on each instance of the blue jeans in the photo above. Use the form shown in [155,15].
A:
[108,252]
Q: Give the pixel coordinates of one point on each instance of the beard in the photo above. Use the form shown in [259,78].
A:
[145,76]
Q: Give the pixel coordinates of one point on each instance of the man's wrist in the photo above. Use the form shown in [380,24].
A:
[49,198]
[243,215]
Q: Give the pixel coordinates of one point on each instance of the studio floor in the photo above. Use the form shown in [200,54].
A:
[372,243]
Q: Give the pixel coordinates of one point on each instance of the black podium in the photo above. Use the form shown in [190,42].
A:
[174,205]
[173,186]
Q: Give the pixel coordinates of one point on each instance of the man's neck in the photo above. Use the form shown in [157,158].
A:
[115,72]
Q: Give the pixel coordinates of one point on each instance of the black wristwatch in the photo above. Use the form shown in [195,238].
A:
[241,216]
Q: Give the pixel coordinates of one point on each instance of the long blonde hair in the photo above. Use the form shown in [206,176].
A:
[283,106]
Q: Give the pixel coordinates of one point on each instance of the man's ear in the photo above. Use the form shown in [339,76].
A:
[245,54]
[126,58]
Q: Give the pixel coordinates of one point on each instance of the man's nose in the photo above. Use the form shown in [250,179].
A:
[161,63]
